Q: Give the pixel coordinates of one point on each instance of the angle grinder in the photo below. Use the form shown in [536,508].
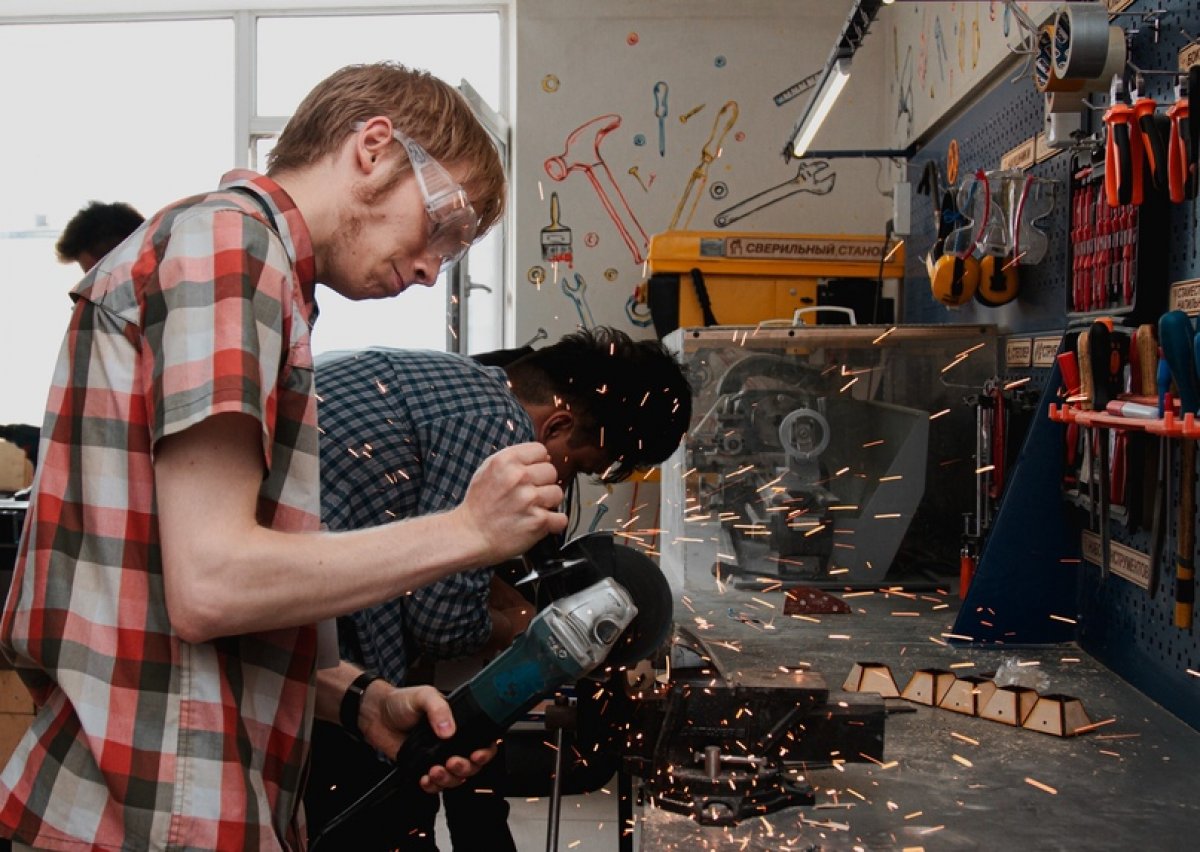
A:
[616,608]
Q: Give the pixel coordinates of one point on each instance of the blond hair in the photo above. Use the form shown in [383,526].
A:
[424,107]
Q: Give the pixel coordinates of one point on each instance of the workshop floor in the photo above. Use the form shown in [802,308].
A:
[587,823]
[948,781]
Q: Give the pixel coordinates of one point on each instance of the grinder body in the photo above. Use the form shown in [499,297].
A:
[564,641]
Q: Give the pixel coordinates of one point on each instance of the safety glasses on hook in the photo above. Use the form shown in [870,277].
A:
[454,223]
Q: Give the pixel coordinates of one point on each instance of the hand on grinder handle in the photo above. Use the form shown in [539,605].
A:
[400,712]
[565,641]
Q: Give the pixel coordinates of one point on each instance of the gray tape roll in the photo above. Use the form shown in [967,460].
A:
[1080,40]
[1114,63]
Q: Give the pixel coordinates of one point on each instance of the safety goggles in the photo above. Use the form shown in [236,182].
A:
[454,223]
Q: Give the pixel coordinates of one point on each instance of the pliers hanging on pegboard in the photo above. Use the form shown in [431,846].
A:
[1148,124]
[1123,149]
[1181,148]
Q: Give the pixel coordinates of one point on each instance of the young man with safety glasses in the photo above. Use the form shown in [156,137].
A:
[172,573]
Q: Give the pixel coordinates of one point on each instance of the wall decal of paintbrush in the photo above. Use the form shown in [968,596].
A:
[556,237]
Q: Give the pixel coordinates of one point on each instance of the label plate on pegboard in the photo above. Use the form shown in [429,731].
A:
[1185,296]
[1045,349]
[1018,352]
[1124,561]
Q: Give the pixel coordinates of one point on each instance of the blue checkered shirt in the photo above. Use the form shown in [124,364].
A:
[403,431]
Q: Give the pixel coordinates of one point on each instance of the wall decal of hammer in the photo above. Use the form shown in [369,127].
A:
[582,154]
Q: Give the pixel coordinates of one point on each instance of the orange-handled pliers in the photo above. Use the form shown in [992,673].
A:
[1123,149]
[1146,125]
[1181,180]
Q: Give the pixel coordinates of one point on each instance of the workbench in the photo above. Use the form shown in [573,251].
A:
[948,780]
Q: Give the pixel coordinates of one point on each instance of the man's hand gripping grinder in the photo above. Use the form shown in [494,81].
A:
[566,640]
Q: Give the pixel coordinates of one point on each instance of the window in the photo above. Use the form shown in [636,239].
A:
[153,115]
[452,46]
[83,124]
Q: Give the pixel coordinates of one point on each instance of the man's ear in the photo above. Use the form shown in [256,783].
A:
[559,424]
[371,140]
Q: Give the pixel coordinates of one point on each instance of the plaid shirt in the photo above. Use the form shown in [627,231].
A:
[402,433]
[143,740]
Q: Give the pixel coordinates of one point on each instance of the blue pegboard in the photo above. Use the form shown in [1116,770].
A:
[1117,622]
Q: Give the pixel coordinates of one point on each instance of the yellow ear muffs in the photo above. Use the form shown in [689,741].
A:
[998,281]
[955,279]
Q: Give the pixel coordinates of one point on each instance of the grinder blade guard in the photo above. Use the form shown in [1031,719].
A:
[591,557]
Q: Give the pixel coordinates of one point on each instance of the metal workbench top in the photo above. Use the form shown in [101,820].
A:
[951,781]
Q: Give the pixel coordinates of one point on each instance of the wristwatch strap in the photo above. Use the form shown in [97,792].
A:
[352,702]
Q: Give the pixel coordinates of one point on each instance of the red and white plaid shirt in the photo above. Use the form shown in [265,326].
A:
[143,740]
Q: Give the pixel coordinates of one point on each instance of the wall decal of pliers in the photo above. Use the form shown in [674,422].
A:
[813,176]
[1123,150]
[711,150]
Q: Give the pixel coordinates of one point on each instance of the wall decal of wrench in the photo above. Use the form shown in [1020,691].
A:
[813,177]
[582,154]
[577,293]
[712,148]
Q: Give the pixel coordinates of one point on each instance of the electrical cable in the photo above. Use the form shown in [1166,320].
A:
[887,238]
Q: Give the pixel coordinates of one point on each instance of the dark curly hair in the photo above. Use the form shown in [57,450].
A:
[629,397]
[97,229]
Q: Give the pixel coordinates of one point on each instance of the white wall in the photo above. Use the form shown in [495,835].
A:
[605,59]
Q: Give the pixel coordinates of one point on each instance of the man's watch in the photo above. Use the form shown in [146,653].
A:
[352,703]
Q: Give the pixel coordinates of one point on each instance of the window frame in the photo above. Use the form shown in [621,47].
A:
[249,126]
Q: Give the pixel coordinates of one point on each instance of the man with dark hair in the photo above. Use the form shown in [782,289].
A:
[400,432]
[95,231]
[172,573]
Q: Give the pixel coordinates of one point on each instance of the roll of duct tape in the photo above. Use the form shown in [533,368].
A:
[1060,102]
[1114,62]
[1044,77]
[1080,40]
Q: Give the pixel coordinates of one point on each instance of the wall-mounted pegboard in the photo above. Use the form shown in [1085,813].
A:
[1003,118]
[1121,624]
